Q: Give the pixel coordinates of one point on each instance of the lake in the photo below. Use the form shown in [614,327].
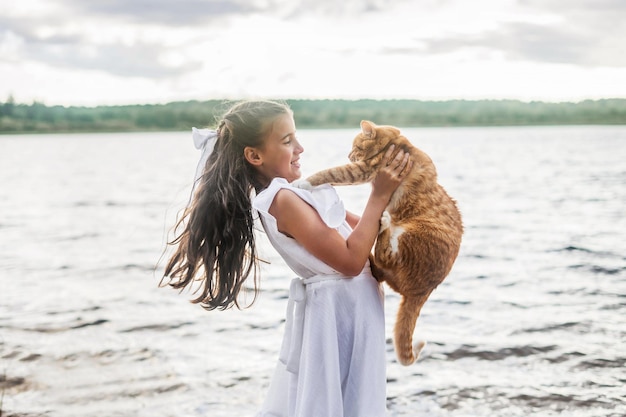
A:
[531,320]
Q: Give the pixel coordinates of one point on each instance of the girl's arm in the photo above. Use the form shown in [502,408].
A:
[352,219]
[299,220]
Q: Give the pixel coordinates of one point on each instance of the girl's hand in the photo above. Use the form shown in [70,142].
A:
[391,174]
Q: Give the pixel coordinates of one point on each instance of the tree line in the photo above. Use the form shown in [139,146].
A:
[327,113]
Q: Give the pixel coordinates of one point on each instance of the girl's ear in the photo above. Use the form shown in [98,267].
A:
[252,156]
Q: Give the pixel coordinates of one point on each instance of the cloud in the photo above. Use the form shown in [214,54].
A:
[32,39]
[137,60]
[569,5]
[198,12]
[523,41]
[577,37]
[165,12]
[137,38]
[158,49]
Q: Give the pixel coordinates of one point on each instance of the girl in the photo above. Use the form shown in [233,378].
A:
[332,361]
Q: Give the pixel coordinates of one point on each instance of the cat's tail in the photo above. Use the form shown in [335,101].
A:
[406,319]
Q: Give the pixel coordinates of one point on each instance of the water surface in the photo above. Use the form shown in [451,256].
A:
[529,322]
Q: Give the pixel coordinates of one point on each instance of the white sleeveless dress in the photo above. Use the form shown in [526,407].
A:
[332,360]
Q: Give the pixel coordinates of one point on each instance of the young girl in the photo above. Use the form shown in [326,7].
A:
[332,361]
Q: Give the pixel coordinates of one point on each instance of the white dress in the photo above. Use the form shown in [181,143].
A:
[332,361]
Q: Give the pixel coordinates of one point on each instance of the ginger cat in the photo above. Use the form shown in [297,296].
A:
[420,231]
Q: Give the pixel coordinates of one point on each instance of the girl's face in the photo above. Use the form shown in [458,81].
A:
[280,152]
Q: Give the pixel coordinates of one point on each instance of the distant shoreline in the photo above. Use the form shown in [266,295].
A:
[38,118]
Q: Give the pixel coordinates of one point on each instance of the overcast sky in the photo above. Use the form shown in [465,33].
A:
[90,52]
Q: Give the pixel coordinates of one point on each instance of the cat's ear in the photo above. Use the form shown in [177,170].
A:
[368,128]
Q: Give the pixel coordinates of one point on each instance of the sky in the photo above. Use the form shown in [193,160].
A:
[110,52]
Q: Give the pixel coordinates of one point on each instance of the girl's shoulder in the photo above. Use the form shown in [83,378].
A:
[264,199]
[324,199]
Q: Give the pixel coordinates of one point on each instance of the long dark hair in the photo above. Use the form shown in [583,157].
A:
[215,233]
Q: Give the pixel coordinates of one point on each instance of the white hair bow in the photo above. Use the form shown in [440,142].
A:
[203,139]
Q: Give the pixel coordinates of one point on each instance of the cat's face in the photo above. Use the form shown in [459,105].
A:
[372,142]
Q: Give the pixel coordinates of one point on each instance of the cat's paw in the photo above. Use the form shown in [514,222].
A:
[385,221]
[303,184]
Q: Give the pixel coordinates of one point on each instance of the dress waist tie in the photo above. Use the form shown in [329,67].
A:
[294,325]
